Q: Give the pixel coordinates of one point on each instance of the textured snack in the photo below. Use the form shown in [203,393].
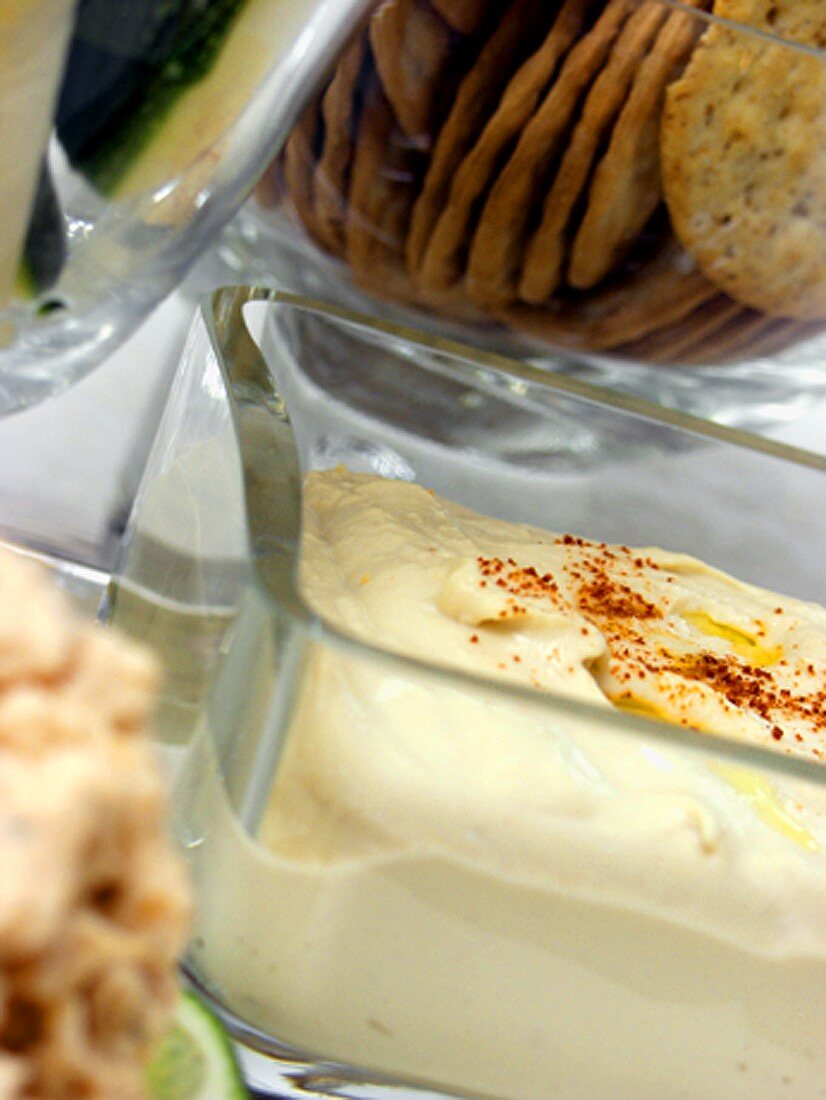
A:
[476,100]
[443,261]
[93,904]
[339,115]
[465,16]
[545,256]
[781,334]
[626,188]
[300,154]
[411,44]
[380,196]
[504,168]
[744,160]
[498,243]
[800,21]
[673,342]
[664,289]
[720,331]
[383,180]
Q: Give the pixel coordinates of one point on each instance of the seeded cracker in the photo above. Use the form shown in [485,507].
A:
[626,188]
[338,111]
[476,100]
[444,258]
[496,253]
[412,49]
[545,258]
[801,21]
[744,161]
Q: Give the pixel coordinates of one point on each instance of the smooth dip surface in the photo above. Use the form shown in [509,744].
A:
[482,890]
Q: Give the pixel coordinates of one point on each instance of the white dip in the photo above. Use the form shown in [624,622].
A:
[493,894]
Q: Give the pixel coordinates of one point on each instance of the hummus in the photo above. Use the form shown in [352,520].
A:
[499,893]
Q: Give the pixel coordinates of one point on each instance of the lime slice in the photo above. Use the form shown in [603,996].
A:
[195,1059]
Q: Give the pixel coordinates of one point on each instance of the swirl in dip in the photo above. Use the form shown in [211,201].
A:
[504,894]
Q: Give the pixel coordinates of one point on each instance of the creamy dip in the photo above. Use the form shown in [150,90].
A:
[496,893]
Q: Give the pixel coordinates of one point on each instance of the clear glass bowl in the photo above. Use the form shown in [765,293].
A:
[417,880]
[629,192]
[132,130]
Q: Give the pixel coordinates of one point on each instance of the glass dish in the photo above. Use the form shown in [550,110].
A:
[623,191]
[132,130]
[445,919]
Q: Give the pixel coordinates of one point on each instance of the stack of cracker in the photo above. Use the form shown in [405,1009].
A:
[575,170]
[93,903]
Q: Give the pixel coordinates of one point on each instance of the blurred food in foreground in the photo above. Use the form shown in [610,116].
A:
[94,905]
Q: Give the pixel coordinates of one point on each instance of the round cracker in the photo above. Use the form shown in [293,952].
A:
[443,260]
[544,261]
[663,290]
[476,100]
[300,154]
[626,190]
[674,342]
[744,169]
[412,47]
[338,112]
[724,344]
[496,252]
[383,180]
[781,334]
[798,21]
[465,16]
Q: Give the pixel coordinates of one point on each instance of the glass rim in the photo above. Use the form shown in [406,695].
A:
[249,384]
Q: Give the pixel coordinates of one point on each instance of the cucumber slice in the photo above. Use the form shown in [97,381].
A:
[44,250]
[129,62]
[195,1059]
[33,37]
[151,86]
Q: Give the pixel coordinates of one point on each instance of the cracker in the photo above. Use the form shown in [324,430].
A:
[412,49]
[781,334]
[744,165]
[672,343]
[626,190]
[270,190]
[663,290]
[300,152]
[384,178]
[338,112]
[800,21]
[730,341]
[476,101]
[382,185]
[444,257]
[465,16]
[544,260]
[495,255]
